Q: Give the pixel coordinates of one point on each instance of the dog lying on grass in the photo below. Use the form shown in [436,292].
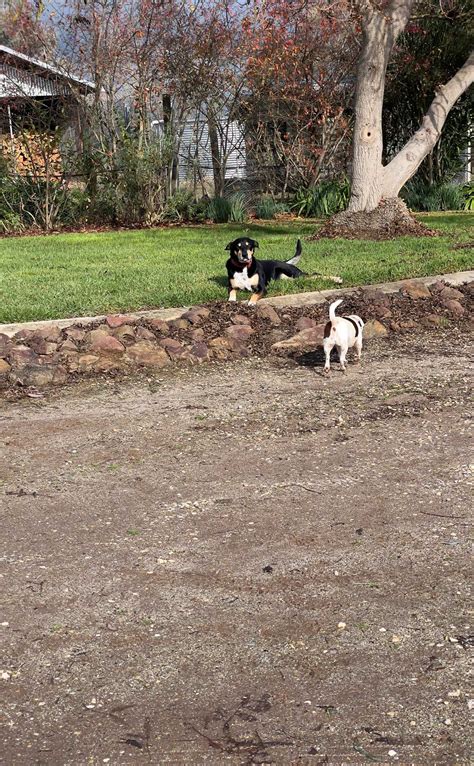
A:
[342,332]
[245,272]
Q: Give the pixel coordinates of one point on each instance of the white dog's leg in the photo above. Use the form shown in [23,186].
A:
[233,295]
[328,347]
[342,357]
[358,346]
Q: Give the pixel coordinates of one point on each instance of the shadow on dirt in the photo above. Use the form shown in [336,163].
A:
[314,358]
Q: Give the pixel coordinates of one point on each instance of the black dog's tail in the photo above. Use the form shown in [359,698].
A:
[293,261]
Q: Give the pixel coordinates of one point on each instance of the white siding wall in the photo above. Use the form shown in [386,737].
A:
[195,149]
[467,174]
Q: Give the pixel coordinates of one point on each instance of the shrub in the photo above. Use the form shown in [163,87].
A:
[267,208]
[426,198]
[223,209]
[39,203]
[238,208]
[328,198]
[128,185]
[218,210]
[179,207]
[450,197]
[182,206]
[467,192]
[10,223]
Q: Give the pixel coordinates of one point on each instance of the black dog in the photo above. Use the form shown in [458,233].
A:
[246,273]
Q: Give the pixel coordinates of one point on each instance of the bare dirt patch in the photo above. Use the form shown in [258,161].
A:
[242,564]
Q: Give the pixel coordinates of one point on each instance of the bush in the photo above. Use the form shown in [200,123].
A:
[223,209]
[29,202]
[127,186]
[467,192]
[238,208]
[10,223]
[218,210]
[267,208]
[328,198]
[428,198]
[182,206]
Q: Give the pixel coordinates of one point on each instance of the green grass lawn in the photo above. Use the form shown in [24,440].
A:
[83,274]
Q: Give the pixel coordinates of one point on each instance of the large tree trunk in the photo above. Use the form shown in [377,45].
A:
[371,181]
[367,140]
[379,34]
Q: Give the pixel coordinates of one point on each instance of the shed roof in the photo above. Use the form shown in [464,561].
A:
[23,76]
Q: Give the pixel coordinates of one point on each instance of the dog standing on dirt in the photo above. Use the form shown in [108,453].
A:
[342,332]
[245,272]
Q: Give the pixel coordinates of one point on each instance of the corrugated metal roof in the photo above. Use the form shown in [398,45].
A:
[22,75]
[16,83]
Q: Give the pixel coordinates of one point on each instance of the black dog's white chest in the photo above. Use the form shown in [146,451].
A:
[242,281]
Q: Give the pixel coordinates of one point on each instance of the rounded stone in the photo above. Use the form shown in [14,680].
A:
[269,313]
[51,333]
[4,367]
[117,320]
[192,316]
[374,329]
[241,319]
[39,375]
[125,334]
[415,290]
[40,345]
[454,307]
[309,338]
[20,356]
[75,333]
[5,342]
[450,293]
[179,324]
[144,334]
[147,354]
[68,345]
[239,332]
[101,341]
[304,323]
[159,325]
[199,352]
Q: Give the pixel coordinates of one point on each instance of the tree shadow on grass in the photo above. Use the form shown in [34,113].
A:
[221,281]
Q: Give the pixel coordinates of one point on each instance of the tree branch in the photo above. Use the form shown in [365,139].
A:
[399,12]
[406,162]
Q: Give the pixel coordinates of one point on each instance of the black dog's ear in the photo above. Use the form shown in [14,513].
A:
[255,243]
[229,246]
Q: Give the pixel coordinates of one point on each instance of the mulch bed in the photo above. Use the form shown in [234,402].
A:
[367,303]
[389,220]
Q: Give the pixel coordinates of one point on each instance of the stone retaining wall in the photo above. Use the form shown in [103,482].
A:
[53,356]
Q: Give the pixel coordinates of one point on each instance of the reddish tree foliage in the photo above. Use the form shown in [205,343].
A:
[298,87]
[23,28]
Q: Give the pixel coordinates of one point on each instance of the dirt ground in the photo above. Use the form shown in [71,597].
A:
[243,563]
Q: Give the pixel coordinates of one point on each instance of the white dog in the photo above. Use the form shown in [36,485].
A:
[342,332]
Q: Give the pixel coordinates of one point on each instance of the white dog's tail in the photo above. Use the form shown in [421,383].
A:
[332,309]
